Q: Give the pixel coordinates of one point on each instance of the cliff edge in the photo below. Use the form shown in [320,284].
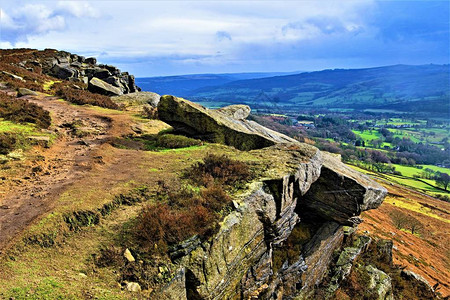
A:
[306,195]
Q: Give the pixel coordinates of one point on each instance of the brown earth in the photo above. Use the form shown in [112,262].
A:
[31,186]
[426,253]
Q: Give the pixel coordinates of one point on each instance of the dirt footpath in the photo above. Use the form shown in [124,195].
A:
[30,188]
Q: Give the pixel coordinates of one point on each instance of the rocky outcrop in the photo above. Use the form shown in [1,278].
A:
[379,283]
[318,254]
[345,261]
[76,68]
[419,282]
[238,262]
[238,258]
[301,190]
[217,126]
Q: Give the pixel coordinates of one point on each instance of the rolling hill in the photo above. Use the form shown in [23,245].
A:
[400,87]
[184,84]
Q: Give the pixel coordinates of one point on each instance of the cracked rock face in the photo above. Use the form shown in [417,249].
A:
[238,262]
[301,187]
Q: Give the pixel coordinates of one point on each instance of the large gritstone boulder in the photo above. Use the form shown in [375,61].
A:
[138,98]
[99,86]
[216,126]
[62,72]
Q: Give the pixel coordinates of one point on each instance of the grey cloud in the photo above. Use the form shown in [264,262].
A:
[223,35]
[326,25]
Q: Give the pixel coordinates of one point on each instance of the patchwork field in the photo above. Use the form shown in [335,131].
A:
[426,186]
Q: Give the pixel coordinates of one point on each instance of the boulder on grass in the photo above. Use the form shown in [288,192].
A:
[215,126]
[100,87]
[138,98]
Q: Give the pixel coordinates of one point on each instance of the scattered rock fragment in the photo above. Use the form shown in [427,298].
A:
[12,75]
[127,254]
[25,92]
[133,287]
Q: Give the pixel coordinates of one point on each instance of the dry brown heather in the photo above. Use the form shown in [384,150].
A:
[82,96]
[427,252]
[22,111]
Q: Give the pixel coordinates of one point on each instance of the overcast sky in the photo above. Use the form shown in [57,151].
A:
[151,38]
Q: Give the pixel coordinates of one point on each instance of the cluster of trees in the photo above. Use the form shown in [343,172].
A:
[404,221]
[333,127]
[352,149]
[421,153]
[406,151]
[380,161]
[442,180]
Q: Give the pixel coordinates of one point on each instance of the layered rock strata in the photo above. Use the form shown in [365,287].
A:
[303,190]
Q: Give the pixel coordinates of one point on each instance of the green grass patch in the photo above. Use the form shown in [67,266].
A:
[47,288]
[368,135]
[436,168]
[158,142]
[48,85]
[423,185]
[15,136]
[410,171]
[8,126]
[416,184]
